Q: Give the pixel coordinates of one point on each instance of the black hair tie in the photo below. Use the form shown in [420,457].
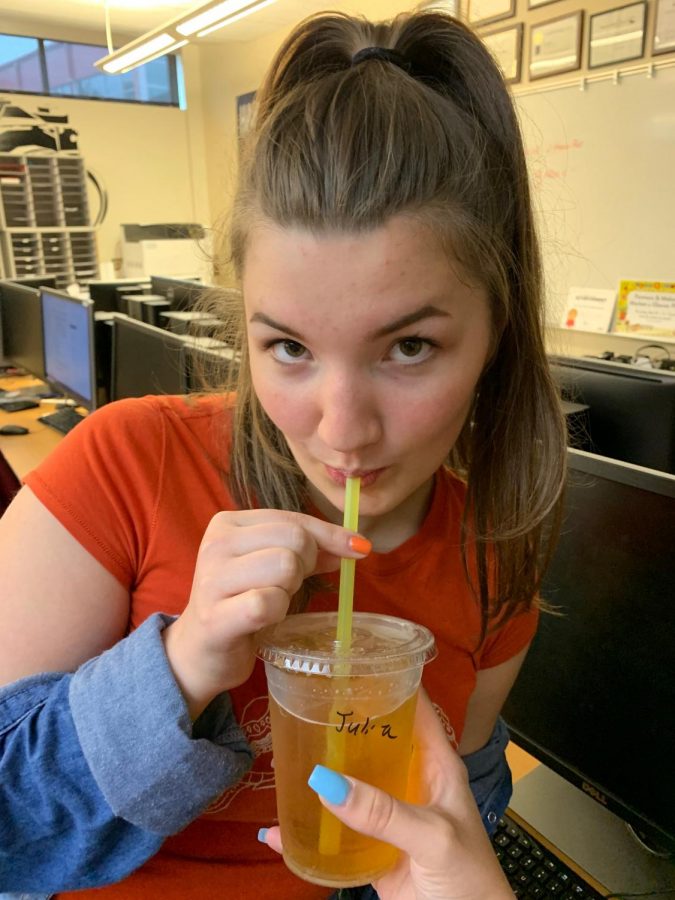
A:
[382,54]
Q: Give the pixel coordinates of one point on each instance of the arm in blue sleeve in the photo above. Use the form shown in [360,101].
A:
[99,766]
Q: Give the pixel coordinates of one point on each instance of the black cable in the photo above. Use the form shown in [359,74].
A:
[102,196]
[655,347]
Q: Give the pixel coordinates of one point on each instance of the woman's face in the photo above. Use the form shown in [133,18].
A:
[365,351]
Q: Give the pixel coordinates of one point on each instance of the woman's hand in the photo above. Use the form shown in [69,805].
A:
[447,853]
[249,566]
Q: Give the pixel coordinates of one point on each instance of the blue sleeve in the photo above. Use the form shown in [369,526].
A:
[99,766]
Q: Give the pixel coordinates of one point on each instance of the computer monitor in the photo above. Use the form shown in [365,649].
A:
[145,360]
[181,292]
[36,281]
[21,318]
[595,698]
[205,361]
[70,360]
[631,413]
[105,294]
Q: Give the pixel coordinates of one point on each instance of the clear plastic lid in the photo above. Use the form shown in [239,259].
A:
[306,643]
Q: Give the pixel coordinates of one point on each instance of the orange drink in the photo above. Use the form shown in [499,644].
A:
[350,709]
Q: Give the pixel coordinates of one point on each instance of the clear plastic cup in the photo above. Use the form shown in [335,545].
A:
[351,710]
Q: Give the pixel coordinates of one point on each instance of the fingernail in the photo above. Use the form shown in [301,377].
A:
[329,784]
[262,834]
[360,544]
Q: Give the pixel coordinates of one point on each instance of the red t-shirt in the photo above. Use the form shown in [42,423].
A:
[136,484]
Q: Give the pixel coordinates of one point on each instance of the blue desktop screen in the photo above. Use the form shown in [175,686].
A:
[68,345]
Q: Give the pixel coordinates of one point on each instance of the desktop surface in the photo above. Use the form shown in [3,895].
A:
[25,452]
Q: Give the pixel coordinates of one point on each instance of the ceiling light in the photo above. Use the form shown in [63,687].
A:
[235,18]
[213,14]
[132,56]
[171,36]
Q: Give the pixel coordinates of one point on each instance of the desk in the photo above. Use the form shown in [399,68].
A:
[25,451]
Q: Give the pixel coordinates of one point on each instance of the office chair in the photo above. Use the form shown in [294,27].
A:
[9,483]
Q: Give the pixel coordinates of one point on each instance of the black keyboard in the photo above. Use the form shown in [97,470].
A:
[63,419]
[533,870]
[18,405]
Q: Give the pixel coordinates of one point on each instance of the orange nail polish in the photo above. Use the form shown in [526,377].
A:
[360,544]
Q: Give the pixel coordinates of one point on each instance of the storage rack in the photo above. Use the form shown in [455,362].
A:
[45,227]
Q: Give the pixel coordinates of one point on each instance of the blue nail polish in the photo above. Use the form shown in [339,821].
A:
[262,834]
[329,784]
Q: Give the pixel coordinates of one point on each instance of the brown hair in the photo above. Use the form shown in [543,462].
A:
[434,135]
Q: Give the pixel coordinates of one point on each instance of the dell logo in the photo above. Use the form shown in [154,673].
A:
[594,792]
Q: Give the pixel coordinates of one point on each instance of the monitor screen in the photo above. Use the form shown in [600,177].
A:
[595,699]
[180,292]
[631,413]
[21,318]
[146,360]
[68,326]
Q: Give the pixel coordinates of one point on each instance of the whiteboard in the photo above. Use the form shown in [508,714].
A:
[602,167]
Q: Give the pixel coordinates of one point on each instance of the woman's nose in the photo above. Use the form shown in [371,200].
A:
[349,416]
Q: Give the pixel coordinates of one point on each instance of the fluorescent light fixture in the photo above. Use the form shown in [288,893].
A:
[212,14]
[174,34]
[236,17]
[146,59]
[135,53]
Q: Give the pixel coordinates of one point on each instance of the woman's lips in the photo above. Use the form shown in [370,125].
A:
[367,476]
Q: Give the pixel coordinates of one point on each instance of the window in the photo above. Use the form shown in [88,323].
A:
[66,69]
[20,64]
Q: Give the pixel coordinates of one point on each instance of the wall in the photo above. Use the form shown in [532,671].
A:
[234,69]
[635,145]
[229,70]
[149,158]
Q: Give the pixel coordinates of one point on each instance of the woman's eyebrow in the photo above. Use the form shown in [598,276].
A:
[424,312]
[278,326]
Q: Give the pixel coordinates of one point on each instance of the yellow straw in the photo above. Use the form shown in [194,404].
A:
[347,566]
[330,828]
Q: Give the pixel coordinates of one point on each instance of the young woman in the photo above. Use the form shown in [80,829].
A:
[388,326]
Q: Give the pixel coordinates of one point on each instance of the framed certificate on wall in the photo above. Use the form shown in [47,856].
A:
[664,27]
[555,46]
[483,11]
[617,35]
[505,46]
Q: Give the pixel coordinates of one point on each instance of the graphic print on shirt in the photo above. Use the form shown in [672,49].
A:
[447,725]
[255,723]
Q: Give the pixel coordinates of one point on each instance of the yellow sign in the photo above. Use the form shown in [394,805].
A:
[646,307]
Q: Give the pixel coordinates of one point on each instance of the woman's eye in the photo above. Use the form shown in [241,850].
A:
[288,351]
[412,349]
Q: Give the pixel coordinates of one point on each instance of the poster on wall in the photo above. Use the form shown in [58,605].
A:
[646,308]
[588,309]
